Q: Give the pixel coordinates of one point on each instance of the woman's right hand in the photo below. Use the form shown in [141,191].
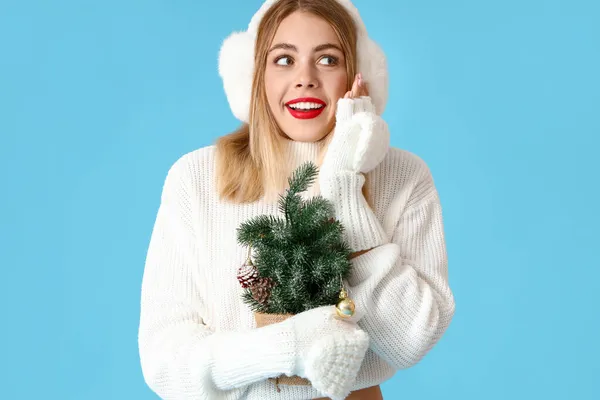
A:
[329,350]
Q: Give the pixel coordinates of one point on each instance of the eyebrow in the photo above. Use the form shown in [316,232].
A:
[287,46]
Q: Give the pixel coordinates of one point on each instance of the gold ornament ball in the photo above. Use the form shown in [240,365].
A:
[345,308]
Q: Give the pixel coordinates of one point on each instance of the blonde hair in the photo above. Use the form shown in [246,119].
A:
[249,161]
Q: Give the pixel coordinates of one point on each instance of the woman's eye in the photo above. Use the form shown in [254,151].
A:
[328,60]
[285,60]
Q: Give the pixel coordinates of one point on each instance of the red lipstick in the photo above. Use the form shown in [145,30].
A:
[306,114]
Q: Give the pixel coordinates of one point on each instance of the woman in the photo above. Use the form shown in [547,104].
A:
[292,79]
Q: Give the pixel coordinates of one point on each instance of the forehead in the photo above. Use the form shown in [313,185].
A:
[305,30]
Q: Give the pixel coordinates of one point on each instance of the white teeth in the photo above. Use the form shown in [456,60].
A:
[306,106]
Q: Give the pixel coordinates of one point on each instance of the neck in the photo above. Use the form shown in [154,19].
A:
[298,153]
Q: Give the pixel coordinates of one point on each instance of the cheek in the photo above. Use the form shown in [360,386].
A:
[273,88]
[268,88]
[338,86]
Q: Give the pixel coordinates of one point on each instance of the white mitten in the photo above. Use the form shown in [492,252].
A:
[360,140]
[329,351]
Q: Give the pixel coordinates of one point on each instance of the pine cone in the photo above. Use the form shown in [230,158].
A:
[247,274]
[261,290]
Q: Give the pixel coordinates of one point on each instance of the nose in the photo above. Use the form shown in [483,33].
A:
[306,77]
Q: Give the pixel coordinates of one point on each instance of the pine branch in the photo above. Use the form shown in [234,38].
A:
[299,181]
[254,305]
[303,177]
[258,229]
[311,217]
[303,253]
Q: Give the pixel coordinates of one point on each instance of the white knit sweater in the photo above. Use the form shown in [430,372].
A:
[198,340]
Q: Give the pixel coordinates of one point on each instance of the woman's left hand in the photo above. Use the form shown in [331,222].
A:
[361,138]
[359,88]
[358,144]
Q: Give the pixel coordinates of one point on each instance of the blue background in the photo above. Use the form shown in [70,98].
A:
[500,98]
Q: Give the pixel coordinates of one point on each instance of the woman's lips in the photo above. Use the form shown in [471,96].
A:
[305,114]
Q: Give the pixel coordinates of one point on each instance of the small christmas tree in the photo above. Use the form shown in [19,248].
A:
[300,258]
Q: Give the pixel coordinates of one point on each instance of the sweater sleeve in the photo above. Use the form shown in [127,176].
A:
[401,288]
[181,357]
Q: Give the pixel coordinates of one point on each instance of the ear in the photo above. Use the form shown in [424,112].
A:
[236,68]
[373,66]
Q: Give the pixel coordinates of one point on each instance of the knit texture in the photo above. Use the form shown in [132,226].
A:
[360,142]
[198,340]
[329,350]
[334,356]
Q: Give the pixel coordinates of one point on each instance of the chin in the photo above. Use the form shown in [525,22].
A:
[307,133]
[305,136]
